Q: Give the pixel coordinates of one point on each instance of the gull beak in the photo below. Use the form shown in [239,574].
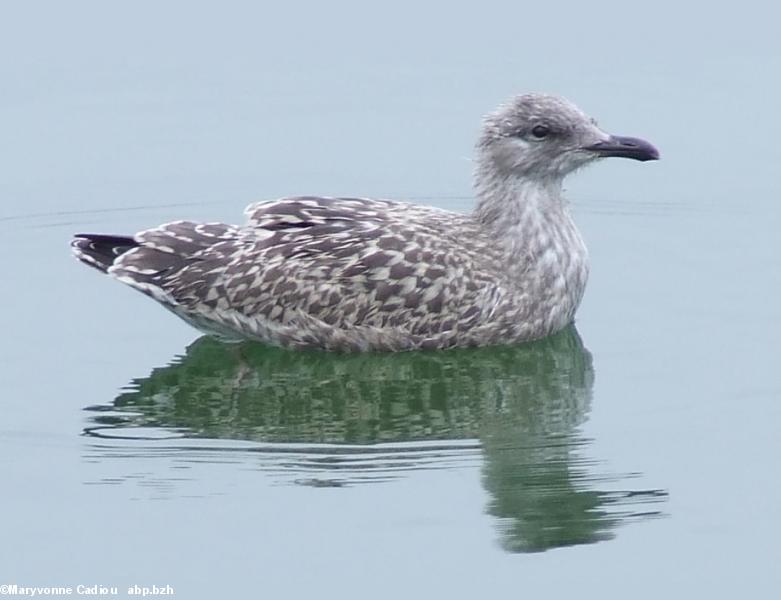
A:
[624,147]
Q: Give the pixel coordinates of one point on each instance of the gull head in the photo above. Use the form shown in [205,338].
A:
[544,137]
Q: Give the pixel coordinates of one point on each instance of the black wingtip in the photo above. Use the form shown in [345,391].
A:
[98,250]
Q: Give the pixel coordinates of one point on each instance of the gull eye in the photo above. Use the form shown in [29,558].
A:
[540,131]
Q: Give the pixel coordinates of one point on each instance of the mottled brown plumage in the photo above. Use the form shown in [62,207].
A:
[361,274]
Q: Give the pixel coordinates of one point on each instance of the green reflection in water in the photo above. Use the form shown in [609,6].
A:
[524,404]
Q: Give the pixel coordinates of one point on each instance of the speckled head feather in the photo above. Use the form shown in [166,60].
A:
[538,136]
[355,274]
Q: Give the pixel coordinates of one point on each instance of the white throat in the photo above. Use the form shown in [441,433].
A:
[542,249]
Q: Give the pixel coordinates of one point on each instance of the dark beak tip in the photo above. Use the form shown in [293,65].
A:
[653,155]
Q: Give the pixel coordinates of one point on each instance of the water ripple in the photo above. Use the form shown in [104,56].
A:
[513,414]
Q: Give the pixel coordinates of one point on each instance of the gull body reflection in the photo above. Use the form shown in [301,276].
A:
[332,420]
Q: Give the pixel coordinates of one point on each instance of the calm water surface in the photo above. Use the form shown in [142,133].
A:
[632,455]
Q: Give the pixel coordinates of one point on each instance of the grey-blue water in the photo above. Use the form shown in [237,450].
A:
[635,456]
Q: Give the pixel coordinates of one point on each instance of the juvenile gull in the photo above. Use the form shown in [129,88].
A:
[356,274]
